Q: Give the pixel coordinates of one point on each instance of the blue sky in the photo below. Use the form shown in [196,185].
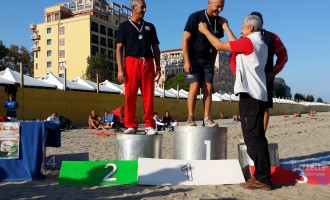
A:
[302,26]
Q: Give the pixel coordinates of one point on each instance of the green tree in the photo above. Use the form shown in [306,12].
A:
[173,81]
[3,50]
[100,65]
[319,100]
[17,55]
[3,54]
[27,61]
[309,98]
[280,91]
[299,96]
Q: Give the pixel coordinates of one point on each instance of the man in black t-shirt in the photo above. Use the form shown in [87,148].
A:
[139,38]
[199,58]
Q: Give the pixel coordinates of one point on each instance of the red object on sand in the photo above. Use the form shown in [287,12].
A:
[316,175]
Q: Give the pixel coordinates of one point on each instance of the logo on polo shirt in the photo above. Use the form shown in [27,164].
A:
[147,28]
[189,76]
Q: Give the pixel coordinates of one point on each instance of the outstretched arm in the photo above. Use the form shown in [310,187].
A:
[218,44]
[228,31]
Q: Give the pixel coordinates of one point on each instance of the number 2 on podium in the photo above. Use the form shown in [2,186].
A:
[114,169]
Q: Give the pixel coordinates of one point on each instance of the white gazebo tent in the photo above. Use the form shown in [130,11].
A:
[15,77]
[113,86]
[91,84]
[167,93]
[181,94]
[60,83]
[6,82]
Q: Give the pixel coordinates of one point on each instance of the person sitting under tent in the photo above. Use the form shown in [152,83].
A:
[94,121]
[159,123]
[118,121]
[167,119]
[108,119]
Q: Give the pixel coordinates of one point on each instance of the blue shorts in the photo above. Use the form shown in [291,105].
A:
[202,71]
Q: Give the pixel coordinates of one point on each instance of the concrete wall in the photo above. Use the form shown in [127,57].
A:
[40,103]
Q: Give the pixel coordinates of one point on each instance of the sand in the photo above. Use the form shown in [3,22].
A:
[300,138]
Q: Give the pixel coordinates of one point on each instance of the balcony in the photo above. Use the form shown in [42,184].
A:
[35,48]
[35,37]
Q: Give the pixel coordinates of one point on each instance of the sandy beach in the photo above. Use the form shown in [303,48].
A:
[299,138]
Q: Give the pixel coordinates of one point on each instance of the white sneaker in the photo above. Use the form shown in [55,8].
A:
[130,131]
[150,131]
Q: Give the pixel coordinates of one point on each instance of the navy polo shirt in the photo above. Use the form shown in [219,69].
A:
[129,36]
[199,46]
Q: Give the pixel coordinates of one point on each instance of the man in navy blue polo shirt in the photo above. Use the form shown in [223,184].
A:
[141,49]
[199,58]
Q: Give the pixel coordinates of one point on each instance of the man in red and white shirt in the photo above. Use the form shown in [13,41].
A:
[250,61]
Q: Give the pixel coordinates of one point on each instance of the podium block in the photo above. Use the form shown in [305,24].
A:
[107,172]
[132,146]
[54,162]
[244,158]
[200,143]
[188,172]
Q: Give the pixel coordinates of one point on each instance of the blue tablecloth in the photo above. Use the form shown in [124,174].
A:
[34,137]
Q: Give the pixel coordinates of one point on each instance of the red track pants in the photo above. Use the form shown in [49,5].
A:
[140,73]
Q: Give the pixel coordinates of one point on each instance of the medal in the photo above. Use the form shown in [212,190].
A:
[215,24]
[140,35]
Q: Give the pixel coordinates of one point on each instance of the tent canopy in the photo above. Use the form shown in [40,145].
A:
[59,82]
[15,77]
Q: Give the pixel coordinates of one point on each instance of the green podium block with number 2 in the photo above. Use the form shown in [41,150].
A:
[114,172]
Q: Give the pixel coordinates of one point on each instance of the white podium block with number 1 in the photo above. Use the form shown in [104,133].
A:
[188,172]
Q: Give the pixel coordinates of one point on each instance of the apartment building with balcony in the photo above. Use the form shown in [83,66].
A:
[171,62]
[73,31]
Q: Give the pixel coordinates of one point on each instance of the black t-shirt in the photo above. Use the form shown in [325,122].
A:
[199,46]
[269,39]
[129,36]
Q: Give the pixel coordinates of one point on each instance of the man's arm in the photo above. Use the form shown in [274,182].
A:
[281,54]
[185,51]
[119,58]
[228,31]
[218,44]
[155,49]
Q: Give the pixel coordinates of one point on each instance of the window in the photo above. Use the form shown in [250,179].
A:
[61,53]
[62,42]
[95,27]
[102,30]
[37,66]
[95,39]
[61,30]
[110,32]
[57,17]
[103,41]
[110,54]
[94,50]
[103,52]
[49,53]
[49,64]
[37,54]
[49,18]
[49,42]
[110,43]
[61,64]
[49,30]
